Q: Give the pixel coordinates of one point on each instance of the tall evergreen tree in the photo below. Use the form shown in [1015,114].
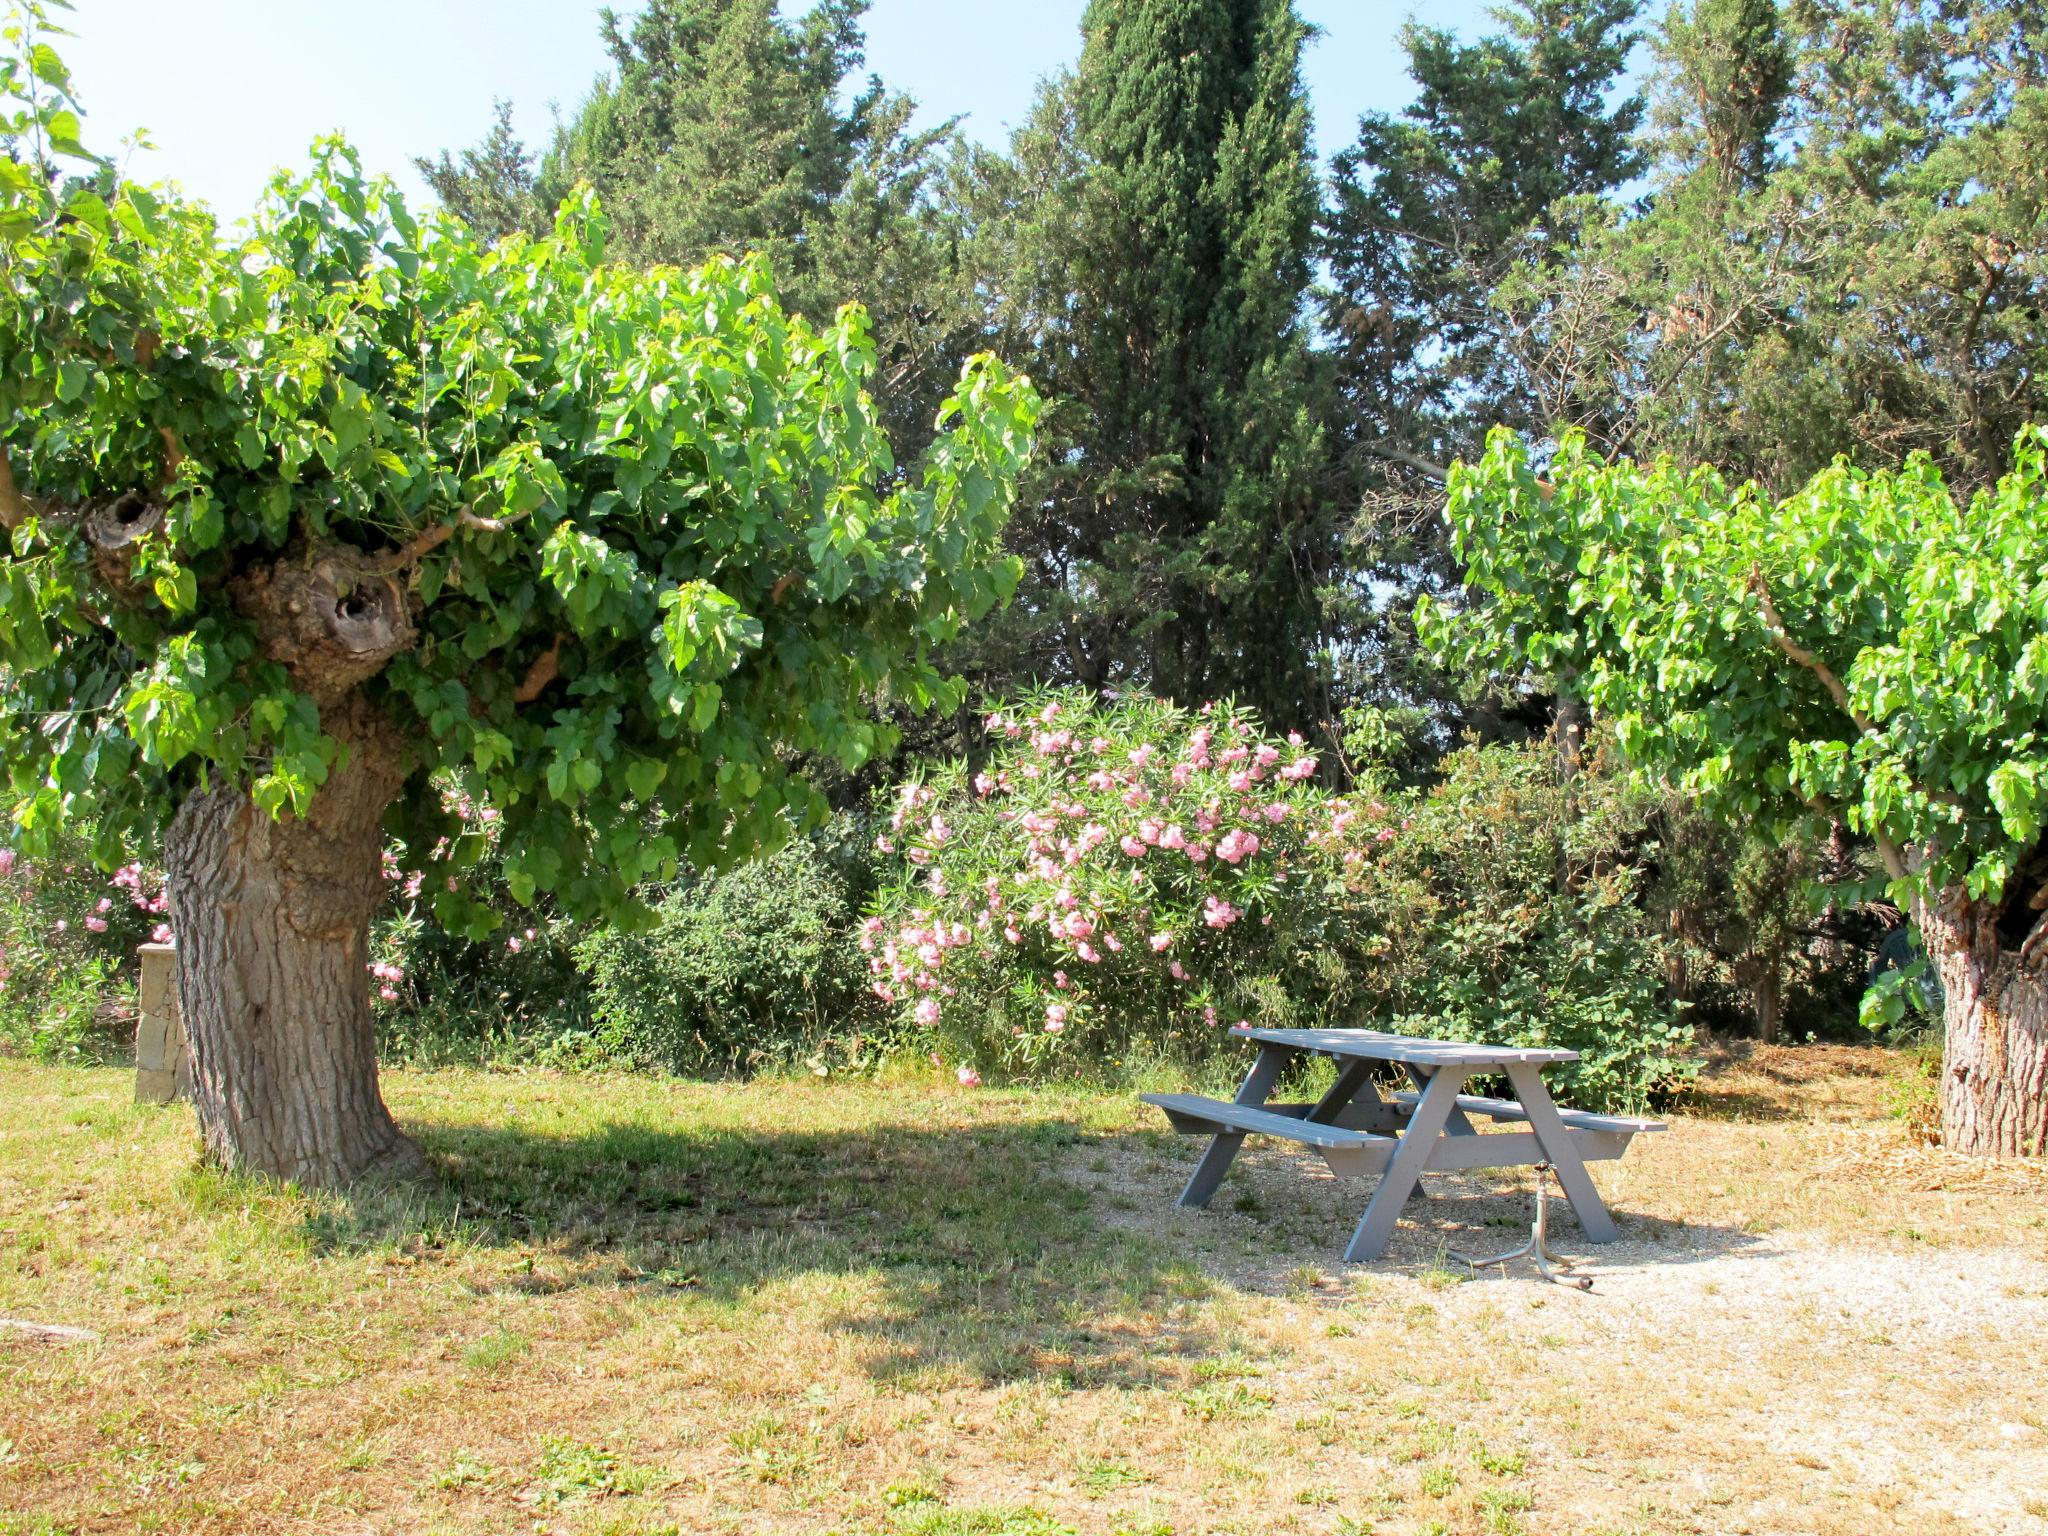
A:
[1152,236]
[1431,208]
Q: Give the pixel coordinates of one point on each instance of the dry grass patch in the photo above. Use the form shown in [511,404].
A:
[896,1309]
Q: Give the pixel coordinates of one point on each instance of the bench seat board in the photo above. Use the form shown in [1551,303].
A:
[1507,1109]
[1361,1154]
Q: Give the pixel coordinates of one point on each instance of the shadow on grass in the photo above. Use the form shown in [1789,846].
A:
[963,1248]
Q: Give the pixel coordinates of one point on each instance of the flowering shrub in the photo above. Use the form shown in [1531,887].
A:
[67,951]
[1114,873]
[1130,878]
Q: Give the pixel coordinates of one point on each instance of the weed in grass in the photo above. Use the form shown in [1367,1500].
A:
[1303,1281]
[465,1471]
[925,1488]
[499,1347]
[1103,1476]
[1226,1400]
[984,1522]
[1440,1482]
[772,1450]
[1316,1496]
[568,1470]
[1502,1509]
[1144,1528]
[1511,1464]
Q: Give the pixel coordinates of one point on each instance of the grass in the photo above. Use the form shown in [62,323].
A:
[902,1309]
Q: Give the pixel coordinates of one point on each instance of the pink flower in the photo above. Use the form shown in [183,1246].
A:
[1240,781]
[1161,942]
[969,1078]
[1219,914]
[1055,1015]
[162,934]
[6,861]
[983,784]
[513,945]
[96,924]
[1132,847]
[1115,944]
[1059,979]
[927,1010]
[1236,846]
[1088,952]
[1141,756]
[1012,934]
[105,906]
[1385,835]
[1266,756]
[1177,972]
[1198,852]
[1173,837]
[387,994]
[1300,768]
[1276,812]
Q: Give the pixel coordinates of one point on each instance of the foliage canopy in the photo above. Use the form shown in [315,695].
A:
[615,552]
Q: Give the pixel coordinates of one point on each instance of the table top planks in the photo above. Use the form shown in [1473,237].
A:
[1377,1045]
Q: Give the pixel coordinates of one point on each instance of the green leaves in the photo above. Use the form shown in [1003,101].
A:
[652,545]
[1863,649]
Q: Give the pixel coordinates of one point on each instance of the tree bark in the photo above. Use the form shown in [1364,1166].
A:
[272,917]
[1994,1098]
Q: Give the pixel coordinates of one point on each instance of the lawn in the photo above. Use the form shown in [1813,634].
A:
[910,1309]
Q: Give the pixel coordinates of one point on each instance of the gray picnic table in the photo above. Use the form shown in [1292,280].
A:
[1404,1135]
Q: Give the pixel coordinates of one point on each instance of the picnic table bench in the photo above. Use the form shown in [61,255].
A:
[1399,1137]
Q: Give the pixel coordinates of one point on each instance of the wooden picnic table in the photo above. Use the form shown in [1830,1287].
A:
[1402,1136]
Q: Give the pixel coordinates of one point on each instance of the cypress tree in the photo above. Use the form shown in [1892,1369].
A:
[1156,237]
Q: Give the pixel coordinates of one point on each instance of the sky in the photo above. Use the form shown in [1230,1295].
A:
[230,89]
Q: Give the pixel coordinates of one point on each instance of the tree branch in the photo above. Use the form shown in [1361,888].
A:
[427,540]
[14,508]
[547,666]
[1437,472]
[1774,624]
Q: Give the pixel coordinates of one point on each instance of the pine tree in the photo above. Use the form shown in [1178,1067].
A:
[1429,211]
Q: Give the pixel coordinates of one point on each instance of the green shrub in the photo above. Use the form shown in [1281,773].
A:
[753,967]
[1510,909]
[1126,880]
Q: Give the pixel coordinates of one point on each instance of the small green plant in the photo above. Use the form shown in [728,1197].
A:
[568,1469]
[465,1471]
[1105,1476]
[499,1347]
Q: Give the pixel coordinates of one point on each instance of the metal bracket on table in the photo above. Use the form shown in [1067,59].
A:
[1537,1249]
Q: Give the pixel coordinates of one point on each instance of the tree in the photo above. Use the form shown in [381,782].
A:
[726,128]
[1150,238]
[1865,648]
[1841,251]
[319,530]
[1428,211]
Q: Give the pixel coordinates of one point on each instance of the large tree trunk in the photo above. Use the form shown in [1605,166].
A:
[1994,1098]
[272,917]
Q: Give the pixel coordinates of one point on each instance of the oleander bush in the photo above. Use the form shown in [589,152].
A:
[1127,879]
[68,934]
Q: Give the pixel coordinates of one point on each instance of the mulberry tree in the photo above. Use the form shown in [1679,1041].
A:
[314,527]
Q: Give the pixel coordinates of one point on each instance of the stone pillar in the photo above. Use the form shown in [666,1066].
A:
[160,1060]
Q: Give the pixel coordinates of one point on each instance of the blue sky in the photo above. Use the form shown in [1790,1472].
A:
[229,89]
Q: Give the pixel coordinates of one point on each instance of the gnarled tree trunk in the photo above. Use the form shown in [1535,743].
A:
[273,914]
[1993,963]
[273,921]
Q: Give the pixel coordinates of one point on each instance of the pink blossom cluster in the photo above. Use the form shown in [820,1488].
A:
[389,976]
[1078,855]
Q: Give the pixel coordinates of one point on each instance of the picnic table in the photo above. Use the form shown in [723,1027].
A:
[1402,1136]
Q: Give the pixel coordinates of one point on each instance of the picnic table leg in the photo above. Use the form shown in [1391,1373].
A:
[1223,1148]
[1556,1142]
[1404,1170]
[1354,1075]
[1457,1125]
